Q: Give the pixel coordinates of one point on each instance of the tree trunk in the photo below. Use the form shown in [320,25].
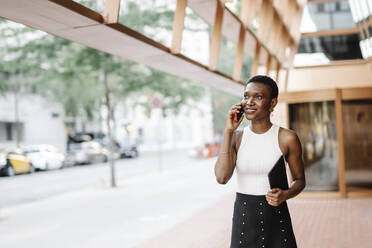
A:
[17,88]
[108,121]
[100,119]
[114,122]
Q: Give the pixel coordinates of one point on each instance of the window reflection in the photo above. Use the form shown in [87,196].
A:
[331,15]
[357,126]
[315,125]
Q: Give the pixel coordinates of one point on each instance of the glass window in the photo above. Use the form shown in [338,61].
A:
[196,37]
[338,47]
[92,4]
[153,19]
[331,15]
[337,6]
[369,3]
[320,7]
[226,57]
[246,68]
[344,6]
[358,142]
[9,133]
[330,7]
[235,6]
[315,125]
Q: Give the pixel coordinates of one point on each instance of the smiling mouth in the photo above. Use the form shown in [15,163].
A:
[250,111]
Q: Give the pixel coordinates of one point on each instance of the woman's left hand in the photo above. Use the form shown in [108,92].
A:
[276,196]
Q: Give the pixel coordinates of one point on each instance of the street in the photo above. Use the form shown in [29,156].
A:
[31,187]
[77,208]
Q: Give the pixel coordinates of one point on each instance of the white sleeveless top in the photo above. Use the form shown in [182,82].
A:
[257,154]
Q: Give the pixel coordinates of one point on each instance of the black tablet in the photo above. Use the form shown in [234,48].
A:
[278,175]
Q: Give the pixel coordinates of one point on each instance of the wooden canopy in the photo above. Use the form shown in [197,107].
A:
[101,31]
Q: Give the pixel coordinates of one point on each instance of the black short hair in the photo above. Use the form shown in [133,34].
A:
[267,81]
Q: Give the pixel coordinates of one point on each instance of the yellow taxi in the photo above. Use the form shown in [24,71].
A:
[13,161]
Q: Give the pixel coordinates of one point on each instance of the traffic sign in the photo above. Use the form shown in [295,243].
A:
[156,101]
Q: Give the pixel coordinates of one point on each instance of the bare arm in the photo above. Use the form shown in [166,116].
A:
[225,164]
[296,164]
[291,147]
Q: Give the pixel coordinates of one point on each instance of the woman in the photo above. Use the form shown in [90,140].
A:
[261,217]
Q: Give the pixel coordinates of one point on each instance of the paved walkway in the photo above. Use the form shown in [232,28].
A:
[96,216]
[320,223]
[182,207]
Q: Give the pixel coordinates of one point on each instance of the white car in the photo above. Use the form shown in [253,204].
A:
[87,153]
[44,157]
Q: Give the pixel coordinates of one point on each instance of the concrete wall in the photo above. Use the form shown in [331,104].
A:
[42,121]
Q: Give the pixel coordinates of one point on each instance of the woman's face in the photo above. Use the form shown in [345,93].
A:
[257,101]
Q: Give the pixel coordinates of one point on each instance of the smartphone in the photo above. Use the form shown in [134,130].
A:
[238,114]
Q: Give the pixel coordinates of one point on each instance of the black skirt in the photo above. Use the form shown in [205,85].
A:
[255,223]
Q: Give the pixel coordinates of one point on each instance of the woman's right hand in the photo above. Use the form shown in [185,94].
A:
[231,125]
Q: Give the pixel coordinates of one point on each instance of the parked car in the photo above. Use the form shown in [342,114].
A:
[44,157]
[128,152]
[87,153]
[120,151]
[13,161]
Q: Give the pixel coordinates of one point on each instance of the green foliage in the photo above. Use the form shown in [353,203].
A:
[226,58]
[247,66]
[138,18]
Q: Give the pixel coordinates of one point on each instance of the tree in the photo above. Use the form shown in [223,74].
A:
[83,79]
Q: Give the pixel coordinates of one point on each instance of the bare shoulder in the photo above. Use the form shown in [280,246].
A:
[287,135]
[287,139]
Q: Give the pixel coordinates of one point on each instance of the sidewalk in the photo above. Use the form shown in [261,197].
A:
[140,208]
[182,207]
[331,223]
